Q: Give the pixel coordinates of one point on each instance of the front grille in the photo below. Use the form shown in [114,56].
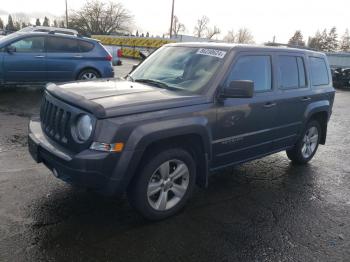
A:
[55,120]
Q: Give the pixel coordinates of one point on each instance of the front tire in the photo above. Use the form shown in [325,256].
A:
[307,145]
[164,184]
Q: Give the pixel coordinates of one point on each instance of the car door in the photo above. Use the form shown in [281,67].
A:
[27,60]
[62,58]
[292,97]
[244,127]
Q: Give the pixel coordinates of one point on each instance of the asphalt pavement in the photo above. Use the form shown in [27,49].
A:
[265,210]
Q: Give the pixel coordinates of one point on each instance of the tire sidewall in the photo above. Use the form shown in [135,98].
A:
[84,71]
[138,192]
[312,123]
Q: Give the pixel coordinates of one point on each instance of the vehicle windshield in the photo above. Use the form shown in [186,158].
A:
[180,68]
[8,37]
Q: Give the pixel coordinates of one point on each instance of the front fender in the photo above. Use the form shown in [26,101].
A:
[144,135]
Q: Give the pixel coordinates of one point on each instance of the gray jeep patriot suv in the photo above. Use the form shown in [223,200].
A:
[186,111]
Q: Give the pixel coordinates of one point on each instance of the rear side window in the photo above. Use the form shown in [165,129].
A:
[85,46]
[319,71]
[292,72]
[254,68]
[62,45]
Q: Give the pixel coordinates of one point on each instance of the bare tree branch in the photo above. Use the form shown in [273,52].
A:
[99,17]
[201,27]
[211,32]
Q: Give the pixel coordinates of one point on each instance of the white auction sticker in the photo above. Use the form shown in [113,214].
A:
[211,52]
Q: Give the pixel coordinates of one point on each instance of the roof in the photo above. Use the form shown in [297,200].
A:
[242,47]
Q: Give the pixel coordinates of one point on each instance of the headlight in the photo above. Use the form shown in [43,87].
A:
[84,127]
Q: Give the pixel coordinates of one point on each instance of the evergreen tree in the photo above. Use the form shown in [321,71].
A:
[147,34]
[37,22]
[23,25]
[55,24]
[332,40]
[10,26]
[1,24]
[345,42]
[46,22]
[315,42]
[17,26]
[137,33]
[61,24]
[297,39]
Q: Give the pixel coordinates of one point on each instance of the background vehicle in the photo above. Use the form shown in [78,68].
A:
[116,53]
[186,111]
[341,77]
[51,57]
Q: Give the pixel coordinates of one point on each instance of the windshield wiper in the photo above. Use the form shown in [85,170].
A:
[152,82]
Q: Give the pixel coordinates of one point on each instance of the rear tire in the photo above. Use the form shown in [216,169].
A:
[306,146]
[164,184]
[88,74]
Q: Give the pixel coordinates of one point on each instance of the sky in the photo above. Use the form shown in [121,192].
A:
[264,18]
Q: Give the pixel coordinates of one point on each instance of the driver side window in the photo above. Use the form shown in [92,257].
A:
[255,68]
[30,45]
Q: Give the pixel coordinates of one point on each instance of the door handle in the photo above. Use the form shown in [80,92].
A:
[39,56]
[269,104]
[305,98]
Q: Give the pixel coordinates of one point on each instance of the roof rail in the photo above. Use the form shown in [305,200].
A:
[51,30]
[289,45]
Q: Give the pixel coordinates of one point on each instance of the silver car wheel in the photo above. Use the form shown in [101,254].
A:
[168,185]
[310,142]
[88,75]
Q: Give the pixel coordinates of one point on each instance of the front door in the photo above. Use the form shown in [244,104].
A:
[27,61]
[245,126]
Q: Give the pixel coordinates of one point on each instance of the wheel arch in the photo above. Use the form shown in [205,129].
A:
[191,134]
[319,111]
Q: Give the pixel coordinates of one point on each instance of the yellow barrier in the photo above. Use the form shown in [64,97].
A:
[132,41]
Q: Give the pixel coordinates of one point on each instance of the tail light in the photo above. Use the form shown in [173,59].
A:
[109,57]
[119,53]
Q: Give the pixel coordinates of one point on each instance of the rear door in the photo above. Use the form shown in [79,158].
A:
[63,57]
[293,96]
[245,126]
[28,62]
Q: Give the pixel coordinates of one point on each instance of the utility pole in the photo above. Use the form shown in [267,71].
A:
[66,14]
[171,20]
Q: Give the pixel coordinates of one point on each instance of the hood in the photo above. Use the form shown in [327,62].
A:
[115,97]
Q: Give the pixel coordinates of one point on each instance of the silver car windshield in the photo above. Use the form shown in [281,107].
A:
[180,68]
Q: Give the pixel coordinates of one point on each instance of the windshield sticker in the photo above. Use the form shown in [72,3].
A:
[211,52]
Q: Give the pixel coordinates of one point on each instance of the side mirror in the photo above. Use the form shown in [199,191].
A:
[10,49]
[238,89]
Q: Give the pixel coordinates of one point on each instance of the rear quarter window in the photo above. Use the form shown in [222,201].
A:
[319,71]
[85,46]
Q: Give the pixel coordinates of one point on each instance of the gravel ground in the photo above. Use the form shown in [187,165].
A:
[265,210]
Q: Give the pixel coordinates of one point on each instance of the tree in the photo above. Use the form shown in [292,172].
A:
[98,17]
[1,24]
[201,27]
[315,42]
[46,22]
[17,26]
[244,36]
[37,22]
[211,32]
[177,26]
[137,33]
[61,24]
[55,24]
[10,26]
[230,37]
[147,34]
[297,39]
[345,42]
[23,25]
[332,40]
